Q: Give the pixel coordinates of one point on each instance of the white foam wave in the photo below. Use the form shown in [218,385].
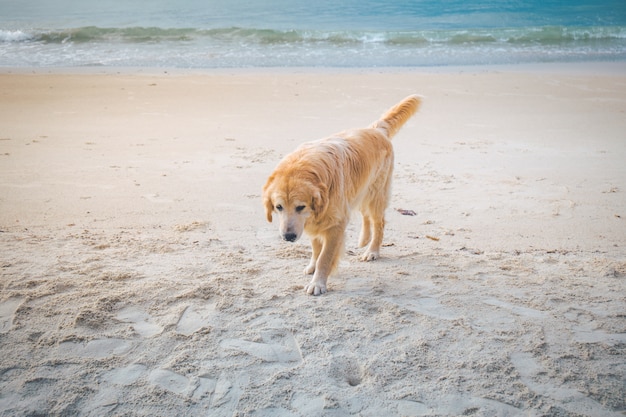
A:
[14,36]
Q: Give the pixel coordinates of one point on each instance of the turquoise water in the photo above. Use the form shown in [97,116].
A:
[280,33]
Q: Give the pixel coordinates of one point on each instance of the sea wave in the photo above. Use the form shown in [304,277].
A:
[236,47]
[15,36]
[548,35]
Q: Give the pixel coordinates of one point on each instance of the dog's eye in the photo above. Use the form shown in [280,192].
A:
[279,207]
[300,208]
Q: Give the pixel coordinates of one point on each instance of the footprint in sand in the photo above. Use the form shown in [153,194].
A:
[464,405]
[589,333]
[124,376]
[533,375]
[530,313]
[347,369]
[227,394]
[412,408]
[7,313]
[307,405]
[170,381]
[427,306]
[205,386]
[99,348]
[194,387]
[195,318]
[140,320]
[221,394]
[278,346]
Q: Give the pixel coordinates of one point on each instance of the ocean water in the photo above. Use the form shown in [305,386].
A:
[307,33]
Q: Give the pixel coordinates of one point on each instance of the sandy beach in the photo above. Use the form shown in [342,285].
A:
[139,276]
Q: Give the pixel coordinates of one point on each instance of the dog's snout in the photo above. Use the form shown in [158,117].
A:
[290,237]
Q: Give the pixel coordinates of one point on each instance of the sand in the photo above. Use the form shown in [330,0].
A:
[139,276]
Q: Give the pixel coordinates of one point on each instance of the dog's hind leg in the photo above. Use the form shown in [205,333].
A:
[378,228]
[366,230]
[373,209]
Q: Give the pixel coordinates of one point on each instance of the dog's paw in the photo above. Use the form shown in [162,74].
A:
[315,288]
[370,256]
[310,269]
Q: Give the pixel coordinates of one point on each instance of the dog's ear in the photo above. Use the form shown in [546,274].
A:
[319,200]
[269,208]
[267,199]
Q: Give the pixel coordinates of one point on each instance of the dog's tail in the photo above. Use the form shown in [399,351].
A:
[397,116]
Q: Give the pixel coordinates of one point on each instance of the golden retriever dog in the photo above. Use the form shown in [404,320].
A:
[315,189]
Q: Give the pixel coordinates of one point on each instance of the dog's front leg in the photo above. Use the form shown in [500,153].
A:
[316,245]
[331,248]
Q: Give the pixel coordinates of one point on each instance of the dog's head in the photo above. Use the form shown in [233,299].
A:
[295,200]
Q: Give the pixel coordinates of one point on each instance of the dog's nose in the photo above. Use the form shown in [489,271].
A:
[290,237]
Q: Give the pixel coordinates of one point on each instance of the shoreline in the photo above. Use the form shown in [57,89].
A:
[577,67]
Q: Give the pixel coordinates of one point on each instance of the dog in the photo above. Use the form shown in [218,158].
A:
[314,189]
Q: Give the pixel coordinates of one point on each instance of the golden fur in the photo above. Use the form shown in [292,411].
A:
[315,188]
